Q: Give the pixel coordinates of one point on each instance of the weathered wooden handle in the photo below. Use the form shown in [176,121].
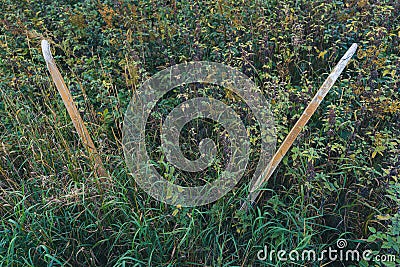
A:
[73,111]
[308,112]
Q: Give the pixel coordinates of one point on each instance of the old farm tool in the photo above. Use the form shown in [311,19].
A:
[74,114]
[308,112]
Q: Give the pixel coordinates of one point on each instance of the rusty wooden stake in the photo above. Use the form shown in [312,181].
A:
[308,112]
[74,113]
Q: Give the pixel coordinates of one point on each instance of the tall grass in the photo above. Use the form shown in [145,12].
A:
[332,184]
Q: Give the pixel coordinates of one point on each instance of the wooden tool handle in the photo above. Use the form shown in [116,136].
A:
[308,112]
[73,111]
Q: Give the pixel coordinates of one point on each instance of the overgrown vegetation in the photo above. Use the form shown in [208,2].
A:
[340,179]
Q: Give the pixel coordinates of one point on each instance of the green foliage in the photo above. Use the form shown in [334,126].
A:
[340,179]
[390,239]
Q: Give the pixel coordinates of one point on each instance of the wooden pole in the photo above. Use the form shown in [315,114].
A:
[73,112]
[308,112]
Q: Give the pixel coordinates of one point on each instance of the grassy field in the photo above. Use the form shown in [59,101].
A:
[340,180]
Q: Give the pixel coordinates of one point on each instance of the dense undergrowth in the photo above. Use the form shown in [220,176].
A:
[339,180]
